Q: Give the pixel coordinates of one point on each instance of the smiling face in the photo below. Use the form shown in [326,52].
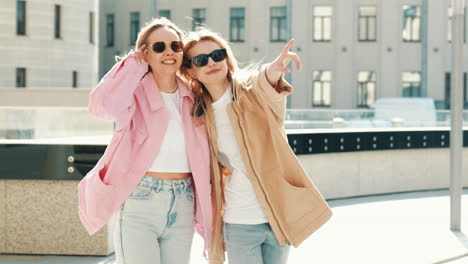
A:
[168,61]
[213,73]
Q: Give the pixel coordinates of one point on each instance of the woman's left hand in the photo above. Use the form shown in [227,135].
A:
[278,66]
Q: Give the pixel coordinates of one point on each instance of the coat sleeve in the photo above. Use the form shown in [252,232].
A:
[113,99]
[274,98]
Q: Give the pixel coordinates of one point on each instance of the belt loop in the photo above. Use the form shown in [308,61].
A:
[158,185]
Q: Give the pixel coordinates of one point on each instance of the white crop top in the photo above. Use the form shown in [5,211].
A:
[172,156]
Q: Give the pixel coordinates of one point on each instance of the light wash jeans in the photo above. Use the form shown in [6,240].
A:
[253,244]
[155,224]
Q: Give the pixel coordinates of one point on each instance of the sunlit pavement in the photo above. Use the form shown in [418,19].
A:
[397,228]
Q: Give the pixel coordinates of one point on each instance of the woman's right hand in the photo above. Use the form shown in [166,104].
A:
[140,54]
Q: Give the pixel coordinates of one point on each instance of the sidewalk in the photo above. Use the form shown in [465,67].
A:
[402,228]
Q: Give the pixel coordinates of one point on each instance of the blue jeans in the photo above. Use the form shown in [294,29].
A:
[155,224]
[253,244]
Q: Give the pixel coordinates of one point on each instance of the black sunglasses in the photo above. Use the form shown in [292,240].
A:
[160,47]
[202,59]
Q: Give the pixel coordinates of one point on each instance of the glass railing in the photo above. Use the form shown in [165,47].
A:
[50,122]
[365,118]
[69,122]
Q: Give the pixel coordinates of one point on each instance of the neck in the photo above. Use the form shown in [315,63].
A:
[217,90]
[166,82]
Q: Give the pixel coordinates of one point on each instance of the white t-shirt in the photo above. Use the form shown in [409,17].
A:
[241,206]
[172,156]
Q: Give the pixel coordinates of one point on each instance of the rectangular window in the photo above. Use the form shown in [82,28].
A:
[57,28]
[165,13]
[449,24]
[367,23]
[321,88]
[411,30]
[278,26]
[91,27]
[74,79]
[448,85]
[411,84]
[20,77]
[110,30]
[322,20]
[20,18]
[199,17]
[366,84]
[237,26]
[134,26]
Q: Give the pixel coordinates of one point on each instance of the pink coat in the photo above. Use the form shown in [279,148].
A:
[131,98]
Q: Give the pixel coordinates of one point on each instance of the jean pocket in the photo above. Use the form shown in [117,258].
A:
[141,192]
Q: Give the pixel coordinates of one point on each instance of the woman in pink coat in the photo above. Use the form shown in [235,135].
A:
[155,171]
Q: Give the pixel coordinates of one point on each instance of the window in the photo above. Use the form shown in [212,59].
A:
[411,31]
[449,24]
[322,88]
[322,16]
[74,79]
[91,27]
[367,23]
[110,30]
[57,30]
[237,26]
[20,77]
[134,26]
[448,85]
[20,18]
[366,83]
[199,17]
[278,30]
[165,13]
[411,83]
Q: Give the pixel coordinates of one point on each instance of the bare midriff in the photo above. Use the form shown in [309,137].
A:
[168,175]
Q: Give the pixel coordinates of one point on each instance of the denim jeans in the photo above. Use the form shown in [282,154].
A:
[253,244]
[155,224]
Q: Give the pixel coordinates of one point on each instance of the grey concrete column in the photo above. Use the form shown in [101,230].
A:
[456,117]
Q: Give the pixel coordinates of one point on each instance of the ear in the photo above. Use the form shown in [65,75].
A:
[145,55]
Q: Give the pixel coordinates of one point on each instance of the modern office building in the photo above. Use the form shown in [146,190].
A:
[48,44]
[353,51]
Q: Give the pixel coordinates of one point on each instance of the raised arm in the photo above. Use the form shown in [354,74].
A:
[112,99]
[272,84]
[278,67]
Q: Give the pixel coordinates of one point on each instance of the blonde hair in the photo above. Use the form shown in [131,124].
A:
[149,27]
[154,24]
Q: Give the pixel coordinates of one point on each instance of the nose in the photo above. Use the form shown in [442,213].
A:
[169,52]
[211,62]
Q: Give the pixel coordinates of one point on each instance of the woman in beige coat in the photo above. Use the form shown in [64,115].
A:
[269,201]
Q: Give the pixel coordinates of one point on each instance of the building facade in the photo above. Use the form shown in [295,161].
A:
[353,51]
[48,44]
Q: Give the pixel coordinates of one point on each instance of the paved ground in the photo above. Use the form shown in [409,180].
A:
[398,228]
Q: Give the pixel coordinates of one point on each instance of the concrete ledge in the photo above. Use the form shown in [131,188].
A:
[41,218]
[341,175]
